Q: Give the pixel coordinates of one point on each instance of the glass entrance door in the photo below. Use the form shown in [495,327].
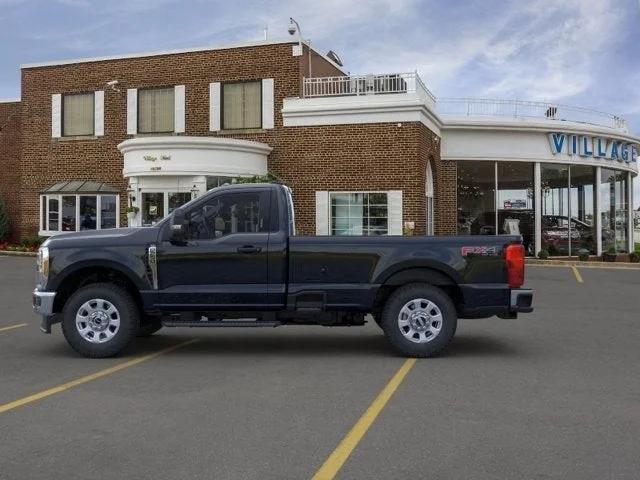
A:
[152,208]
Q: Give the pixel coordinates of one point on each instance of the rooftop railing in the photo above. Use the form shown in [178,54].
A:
[354,85]
[479,107]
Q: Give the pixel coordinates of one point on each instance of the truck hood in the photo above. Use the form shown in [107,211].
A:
[112,237]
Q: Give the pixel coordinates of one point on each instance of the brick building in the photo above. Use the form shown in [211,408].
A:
[374,154]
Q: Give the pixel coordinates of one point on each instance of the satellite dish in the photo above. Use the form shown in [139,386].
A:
[334,57]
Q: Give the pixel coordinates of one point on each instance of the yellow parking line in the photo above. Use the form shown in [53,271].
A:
[577,274]
[88,378]
[336,460]
[11,327]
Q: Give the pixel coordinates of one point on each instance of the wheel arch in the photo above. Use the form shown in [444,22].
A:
[87,273]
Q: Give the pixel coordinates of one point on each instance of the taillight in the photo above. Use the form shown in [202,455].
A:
[514,256]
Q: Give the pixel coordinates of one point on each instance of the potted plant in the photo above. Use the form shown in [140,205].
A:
[543,254]
[610,255]
[583,255]
[131,213]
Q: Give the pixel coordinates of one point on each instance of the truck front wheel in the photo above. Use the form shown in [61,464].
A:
[100,320]
[419,320]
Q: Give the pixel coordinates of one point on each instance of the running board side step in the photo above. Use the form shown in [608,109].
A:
[219,324]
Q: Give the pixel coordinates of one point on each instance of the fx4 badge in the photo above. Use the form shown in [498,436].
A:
[482,251]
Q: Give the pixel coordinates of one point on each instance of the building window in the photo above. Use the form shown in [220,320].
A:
[516,205]
[614,206]
[361,213]
[241,105]
[78,114]
[476,198]
[72,213]
[157,205]
[156,110]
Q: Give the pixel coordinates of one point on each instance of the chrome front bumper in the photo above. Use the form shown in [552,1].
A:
[43,305]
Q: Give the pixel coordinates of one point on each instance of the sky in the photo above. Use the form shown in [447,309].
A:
[577,52]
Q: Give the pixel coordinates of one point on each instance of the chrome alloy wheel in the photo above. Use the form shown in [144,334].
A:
[97,320]
[420,320]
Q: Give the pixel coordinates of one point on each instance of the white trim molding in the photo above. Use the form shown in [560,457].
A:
[268,106]
[215,110]
[179,108]
[56,115]
[98,113]
[394,208]
[184,155]
[358,109]
[322,213]
[132,111]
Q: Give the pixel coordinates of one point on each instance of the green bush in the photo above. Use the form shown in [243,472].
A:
[5,230]
[32,242]
[543,254]
[583,255]
[268,178]
[634,257]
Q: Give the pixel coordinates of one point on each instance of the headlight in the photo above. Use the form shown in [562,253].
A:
[43,262]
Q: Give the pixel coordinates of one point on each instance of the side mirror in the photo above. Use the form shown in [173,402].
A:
[178,227]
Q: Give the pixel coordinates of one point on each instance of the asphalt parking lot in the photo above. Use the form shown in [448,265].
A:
[554,394]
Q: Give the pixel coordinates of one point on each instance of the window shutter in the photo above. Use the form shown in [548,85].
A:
[322,213]
[56,115]
[98,106]
[132,111]
[214,107]
[394,199]
[267,103]
[179,94]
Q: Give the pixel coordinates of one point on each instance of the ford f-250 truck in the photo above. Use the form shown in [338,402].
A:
[231,258]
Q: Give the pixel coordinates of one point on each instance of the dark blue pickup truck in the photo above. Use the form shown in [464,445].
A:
[231,258]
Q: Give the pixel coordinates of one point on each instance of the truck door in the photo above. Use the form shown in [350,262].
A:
[223,263]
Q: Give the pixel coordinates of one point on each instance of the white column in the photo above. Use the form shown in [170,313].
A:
[598,211]
[537,188]
[630,211]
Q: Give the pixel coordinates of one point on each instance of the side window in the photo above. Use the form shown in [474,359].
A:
[229,213]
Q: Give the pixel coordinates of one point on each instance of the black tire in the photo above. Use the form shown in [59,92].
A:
[149,326]
[391,326]
[126,307]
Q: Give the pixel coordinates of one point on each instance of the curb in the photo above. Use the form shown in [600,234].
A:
[569,263]
[10,253]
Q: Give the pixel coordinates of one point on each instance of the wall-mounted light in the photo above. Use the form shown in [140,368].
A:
[194,191]
[130,192]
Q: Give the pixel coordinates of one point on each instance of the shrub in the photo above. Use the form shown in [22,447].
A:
[32,243]
[5,230]
[583,254]
[268,178]
[634,257]
[543,254]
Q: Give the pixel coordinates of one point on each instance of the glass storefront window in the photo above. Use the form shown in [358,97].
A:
[88,212]
[176,200]
[555,208]
[614,207]
[359,214]
[582,207]
[53,210]
[516,205]
[476,198]
[69,213]
[108,211]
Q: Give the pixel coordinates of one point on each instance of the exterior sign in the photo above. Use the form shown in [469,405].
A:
[589,146]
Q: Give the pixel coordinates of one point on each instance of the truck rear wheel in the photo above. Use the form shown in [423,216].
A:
[419,320]
[100,320]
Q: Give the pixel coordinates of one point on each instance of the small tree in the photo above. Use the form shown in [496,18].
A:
[4,222]
[268,178]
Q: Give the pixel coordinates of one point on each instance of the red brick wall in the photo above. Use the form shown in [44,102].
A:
[46,161]
[9,162]
[340,157]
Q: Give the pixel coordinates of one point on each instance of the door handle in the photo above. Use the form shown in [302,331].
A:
[249,249]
